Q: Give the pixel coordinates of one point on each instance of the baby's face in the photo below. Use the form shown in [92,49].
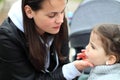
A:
[95,52]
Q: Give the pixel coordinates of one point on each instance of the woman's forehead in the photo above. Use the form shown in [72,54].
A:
[54,5]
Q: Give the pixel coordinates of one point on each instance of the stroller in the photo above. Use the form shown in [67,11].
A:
[88,14]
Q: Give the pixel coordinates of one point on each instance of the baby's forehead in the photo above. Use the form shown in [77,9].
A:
[96,37]
[95,34]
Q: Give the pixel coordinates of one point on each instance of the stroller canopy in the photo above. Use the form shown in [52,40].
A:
[92,12]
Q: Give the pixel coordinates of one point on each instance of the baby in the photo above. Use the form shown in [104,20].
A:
[103,51]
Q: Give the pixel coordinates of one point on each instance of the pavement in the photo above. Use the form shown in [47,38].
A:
[4,8]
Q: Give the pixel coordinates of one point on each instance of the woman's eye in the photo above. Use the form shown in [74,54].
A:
[62,11]
[51,15]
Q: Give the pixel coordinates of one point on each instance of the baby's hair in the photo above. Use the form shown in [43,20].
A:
[110,37]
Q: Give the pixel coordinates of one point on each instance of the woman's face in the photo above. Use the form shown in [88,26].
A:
[50,17]
[95,52]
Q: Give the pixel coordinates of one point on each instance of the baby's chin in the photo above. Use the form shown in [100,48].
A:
[90,61]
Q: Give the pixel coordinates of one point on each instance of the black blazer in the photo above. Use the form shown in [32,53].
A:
[14,62]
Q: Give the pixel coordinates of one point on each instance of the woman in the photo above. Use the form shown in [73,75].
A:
[39,50]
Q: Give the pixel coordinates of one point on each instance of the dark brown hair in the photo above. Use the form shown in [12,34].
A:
[37,50]
[110,37]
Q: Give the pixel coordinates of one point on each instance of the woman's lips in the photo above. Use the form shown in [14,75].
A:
[57,27]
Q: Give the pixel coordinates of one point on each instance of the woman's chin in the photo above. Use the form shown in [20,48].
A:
[54,32]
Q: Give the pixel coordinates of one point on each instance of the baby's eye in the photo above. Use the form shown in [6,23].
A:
[93,47]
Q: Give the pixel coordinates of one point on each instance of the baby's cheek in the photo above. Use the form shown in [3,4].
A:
[90,58]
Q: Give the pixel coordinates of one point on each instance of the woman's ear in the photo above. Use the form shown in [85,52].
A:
[111,59]
[28,11]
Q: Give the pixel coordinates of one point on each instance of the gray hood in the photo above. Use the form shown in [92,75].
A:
[15,14]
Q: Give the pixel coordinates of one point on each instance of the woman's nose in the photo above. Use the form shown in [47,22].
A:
[59,18]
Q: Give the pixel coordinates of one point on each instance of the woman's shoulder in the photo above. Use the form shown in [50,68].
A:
[12,42]
[10,31]
[9,27]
